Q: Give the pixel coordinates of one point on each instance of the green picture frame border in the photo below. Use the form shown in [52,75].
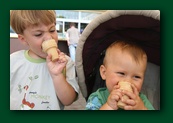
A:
[166,83]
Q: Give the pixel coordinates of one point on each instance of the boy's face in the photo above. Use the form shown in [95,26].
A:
[121,66]
[33,36]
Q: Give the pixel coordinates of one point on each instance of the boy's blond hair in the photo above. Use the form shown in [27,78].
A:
[137,53]
[20,19]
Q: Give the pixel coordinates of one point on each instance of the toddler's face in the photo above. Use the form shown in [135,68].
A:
[121,66]
[35,35]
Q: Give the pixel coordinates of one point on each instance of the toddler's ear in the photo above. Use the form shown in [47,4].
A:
[103,72]
[22,39]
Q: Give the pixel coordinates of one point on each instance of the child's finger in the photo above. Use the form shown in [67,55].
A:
[58,51]
[135,91]
[127,107]
[129,94]
[118,93]
[116,87]
[61,53]
[129,102]
[116,97]
[48,58]
[61,56]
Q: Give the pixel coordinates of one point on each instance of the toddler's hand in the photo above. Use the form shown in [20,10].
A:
[114,97]
[134,102]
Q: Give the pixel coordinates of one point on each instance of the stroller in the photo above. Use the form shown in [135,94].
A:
[139,26]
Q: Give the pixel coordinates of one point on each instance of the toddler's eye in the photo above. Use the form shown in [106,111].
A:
[121,73]
[137,77]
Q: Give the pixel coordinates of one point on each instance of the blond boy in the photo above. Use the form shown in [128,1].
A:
[36,82]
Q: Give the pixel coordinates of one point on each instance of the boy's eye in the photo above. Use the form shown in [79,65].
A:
[52,30]
[39,34]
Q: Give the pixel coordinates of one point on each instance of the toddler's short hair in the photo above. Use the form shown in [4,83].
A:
[133,49]
[20,19]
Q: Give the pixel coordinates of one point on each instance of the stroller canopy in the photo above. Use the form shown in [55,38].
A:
[139,26]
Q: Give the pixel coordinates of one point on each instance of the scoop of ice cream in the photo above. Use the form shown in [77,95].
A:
[50,47]
[124,86]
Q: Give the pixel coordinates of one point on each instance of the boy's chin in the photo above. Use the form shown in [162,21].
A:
[43,56]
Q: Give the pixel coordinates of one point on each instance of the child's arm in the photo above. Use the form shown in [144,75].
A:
[64,90]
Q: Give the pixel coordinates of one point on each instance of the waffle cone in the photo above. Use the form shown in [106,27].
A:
[124,86]
[50,47]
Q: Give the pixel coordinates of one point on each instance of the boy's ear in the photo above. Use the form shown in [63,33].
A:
[103,72]
[22,39]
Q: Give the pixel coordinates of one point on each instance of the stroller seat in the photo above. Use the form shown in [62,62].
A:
[139,26]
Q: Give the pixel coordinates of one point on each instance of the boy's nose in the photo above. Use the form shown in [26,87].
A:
[47,37]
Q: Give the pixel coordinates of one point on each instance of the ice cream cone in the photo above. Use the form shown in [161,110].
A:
[124,86]
[50,47]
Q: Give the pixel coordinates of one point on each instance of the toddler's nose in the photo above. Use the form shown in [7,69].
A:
[127,80]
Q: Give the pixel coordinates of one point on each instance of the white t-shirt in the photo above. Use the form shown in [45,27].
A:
[31,86]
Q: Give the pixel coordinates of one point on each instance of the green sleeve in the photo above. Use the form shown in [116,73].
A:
[146,102]
[97,99]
